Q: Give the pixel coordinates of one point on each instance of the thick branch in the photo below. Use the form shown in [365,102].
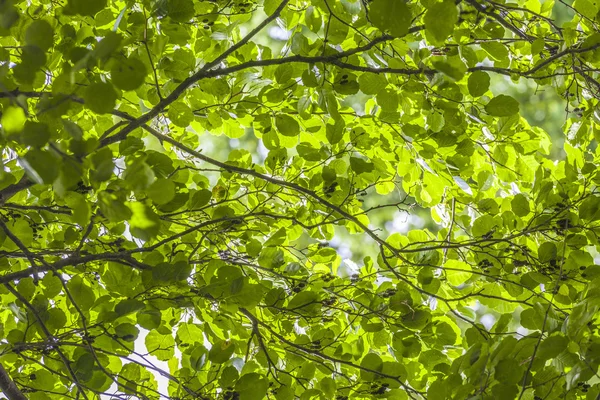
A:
[8,386]
[11,190]
[67,262]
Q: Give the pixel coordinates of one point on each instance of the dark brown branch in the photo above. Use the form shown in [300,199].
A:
[52,209]
[8,386]
[68,262]
[11,190]
[14,93]
[502,21]
[246,38]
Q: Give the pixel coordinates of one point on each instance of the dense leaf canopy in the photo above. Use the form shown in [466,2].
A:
[194,197]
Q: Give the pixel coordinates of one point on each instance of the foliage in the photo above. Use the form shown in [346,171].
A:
[121,226]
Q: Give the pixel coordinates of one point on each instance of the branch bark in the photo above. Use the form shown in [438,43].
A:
[11,190]
[9,387]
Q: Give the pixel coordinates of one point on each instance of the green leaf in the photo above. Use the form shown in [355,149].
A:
[73,129]
[82,294]
[520,205]
[139,175]
[57,319]
[371,362]
[23,231]
[587,8]
[496,51]
[84,366]
[41,166]
[100,97]
[360,166]
[143,221]
[161,191]
[589,209]
[484,225]
[35,134]
[437,390]
[161,346]
[81,211]
[198,359]
[445,335]
[286,125]
[502,106]
[457,272]
[270,6]
[453,67]
[252,386]
[26,288]
[303,299]
[103,165]
[372,83]
[166,272]
[308,152]
[531,319]
[335,132]
[41,34]
[221,351]
[128,306]
[149,319]
[440,19]
[283,73]
[416,320]
[508,371]
[42,380]
[435,122]
[85,7]
[479,83]
[391,16]
[401,301]
[127,332]
[271,257]
[107,46]
[328,386]
[8,14]
[13,120]
[52,285]
[547,252]
[180,114]
[552,346]
[200,198]
[405,345]
[180,10]
[128,73]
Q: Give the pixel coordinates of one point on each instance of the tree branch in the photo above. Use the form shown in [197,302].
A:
[183,86]
[502,21]
[11,190]
[49,336]
[8,386]
[280,182]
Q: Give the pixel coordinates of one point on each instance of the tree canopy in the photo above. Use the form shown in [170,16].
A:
[196,199]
